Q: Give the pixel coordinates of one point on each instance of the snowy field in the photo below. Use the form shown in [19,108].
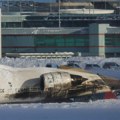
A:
[97,110]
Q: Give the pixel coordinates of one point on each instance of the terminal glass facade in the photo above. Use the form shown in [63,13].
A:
[51,42]
[61,41]
[112,40]
[112,45]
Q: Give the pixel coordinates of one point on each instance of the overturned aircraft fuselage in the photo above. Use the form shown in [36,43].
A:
[50,85]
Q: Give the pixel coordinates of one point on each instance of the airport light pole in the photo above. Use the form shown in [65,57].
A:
[50,6]
[59,13]
[105,4]
[8,6]
[0,37]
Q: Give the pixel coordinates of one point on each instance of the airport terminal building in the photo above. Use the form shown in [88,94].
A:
[43,32]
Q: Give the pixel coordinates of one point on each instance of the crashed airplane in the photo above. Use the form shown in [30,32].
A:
[25,85]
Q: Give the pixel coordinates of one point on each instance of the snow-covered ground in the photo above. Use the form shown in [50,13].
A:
[81,61]
[97,110]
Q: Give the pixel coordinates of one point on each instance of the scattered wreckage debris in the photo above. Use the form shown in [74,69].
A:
[113,83]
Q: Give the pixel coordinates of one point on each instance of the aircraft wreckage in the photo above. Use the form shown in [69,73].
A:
[20,85]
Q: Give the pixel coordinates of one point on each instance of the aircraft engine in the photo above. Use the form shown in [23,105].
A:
[55,84]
